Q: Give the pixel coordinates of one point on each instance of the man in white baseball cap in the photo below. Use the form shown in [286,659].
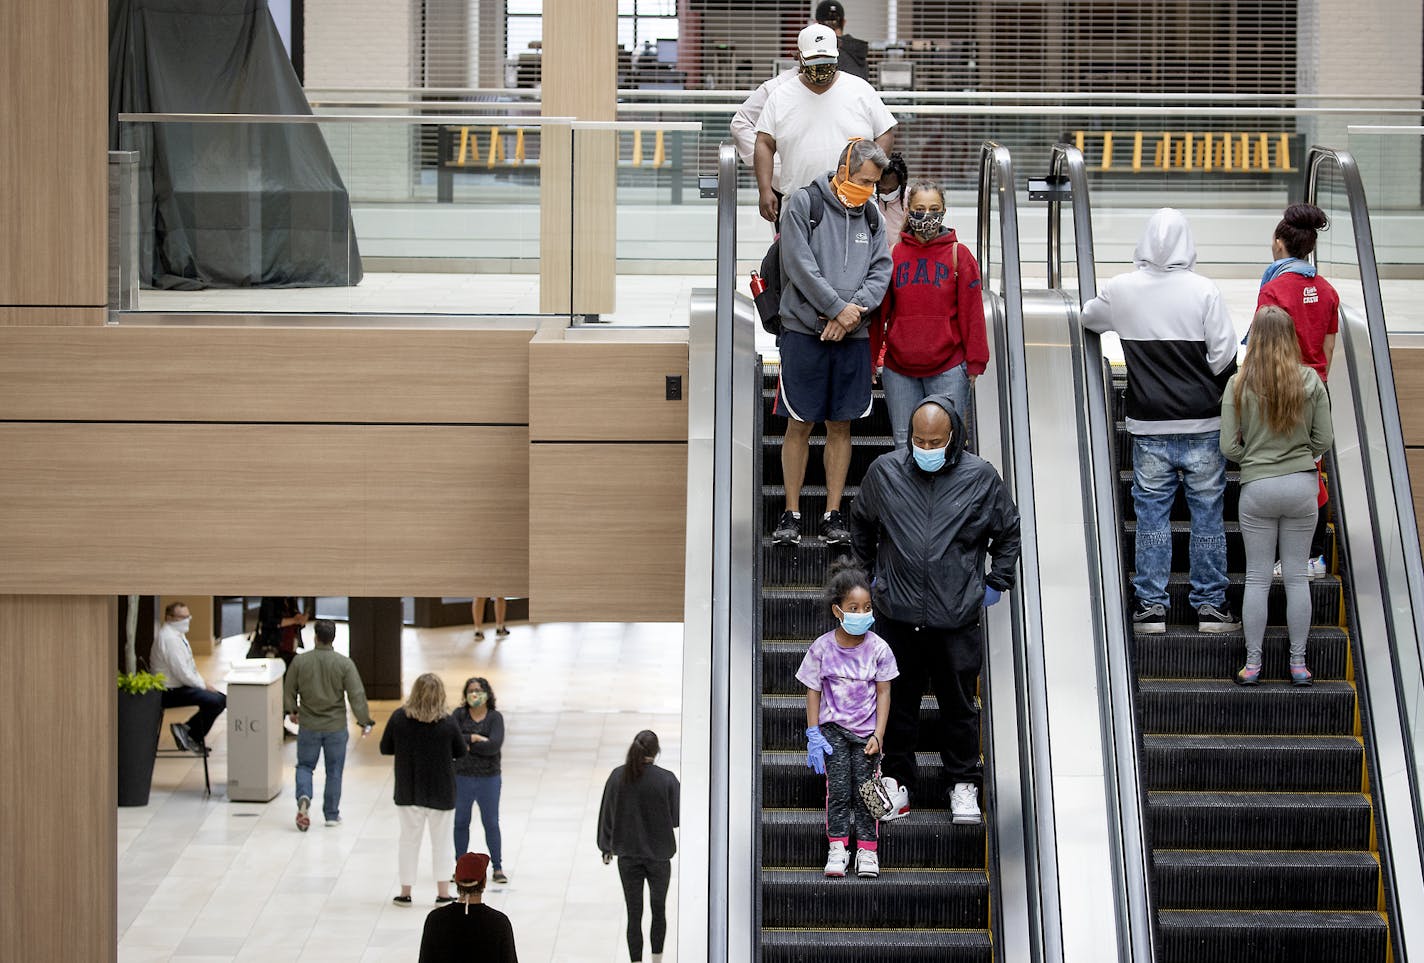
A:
[806,123]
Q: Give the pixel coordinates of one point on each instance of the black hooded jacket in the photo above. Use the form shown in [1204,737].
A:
[924,535]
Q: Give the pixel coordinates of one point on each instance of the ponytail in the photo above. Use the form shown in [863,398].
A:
[643,750]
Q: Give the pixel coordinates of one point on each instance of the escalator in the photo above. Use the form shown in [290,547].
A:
[1273,830]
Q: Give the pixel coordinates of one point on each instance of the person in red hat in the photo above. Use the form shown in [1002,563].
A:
[467,929]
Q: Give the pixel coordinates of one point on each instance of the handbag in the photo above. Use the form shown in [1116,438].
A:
[875,796]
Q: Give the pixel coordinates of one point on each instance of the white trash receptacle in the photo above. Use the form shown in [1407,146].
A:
[254,729]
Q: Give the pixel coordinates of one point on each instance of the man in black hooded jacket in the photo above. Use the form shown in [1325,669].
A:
[923,522]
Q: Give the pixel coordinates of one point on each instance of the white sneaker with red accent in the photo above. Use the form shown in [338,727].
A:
[837,859]
[867,863]
[899,800]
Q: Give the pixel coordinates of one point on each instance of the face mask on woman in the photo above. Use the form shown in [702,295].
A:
[925,224]
[857,623]
[476,699]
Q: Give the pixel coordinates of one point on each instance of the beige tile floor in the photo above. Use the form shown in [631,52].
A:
[209,880]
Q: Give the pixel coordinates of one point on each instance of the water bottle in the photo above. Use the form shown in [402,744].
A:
[758,285]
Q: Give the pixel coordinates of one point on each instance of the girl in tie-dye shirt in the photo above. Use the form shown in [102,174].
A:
[847,675]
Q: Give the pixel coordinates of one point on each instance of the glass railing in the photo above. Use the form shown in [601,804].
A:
[1390,160]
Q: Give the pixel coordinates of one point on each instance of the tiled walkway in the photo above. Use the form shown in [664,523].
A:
[208,879]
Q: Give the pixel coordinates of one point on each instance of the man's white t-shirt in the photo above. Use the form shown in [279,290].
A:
[811,129]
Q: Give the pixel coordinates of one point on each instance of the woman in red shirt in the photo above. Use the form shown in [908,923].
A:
[1291,282]
[930,336]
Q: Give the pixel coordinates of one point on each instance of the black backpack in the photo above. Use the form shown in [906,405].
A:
[768,302]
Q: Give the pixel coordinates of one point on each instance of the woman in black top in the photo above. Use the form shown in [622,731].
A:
[477,777]
[425,741]
[279,629]
[635,823]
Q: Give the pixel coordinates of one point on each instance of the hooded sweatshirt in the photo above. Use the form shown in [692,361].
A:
[930,323]
[840,262]
[925,535]
[1177,336]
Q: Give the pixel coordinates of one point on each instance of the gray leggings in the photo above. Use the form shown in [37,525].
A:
[1277,516]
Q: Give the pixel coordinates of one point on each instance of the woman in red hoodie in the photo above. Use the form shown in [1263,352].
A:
[930,336]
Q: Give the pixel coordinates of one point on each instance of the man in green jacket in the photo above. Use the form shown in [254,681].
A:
[315,691]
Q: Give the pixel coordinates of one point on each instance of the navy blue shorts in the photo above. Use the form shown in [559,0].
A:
[823,380]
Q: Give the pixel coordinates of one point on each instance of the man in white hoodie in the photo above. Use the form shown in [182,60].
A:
[1180,348]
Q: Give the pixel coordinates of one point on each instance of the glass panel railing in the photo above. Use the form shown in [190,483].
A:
[1391,163]
[350,214]
[644,235]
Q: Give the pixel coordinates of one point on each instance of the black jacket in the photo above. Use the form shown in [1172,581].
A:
[637,818]
[854,56]
[924,535]
[425,759]
[483,758]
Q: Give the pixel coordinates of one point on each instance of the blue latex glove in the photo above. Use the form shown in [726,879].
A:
[991,595]
[817,749]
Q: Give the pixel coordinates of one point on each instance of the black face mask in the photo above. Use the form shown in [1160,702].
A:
[819,74]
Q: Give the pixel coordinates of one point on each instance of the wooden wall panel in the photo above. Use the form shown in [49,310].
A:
[255,374]
[263,509]
[1415,459]
[58,837]
[54,82]
[588,391]
[62,316]
[607,532]
[1408,364]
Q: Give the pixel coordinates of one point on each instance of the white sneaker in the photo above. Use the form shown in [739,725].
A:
[899,800]
[1276,569]
[836,860]
[1315,567]
[867,863]
[964,803]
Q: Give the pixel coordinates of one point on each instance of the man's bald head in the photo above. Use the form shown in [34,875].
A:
[930,427]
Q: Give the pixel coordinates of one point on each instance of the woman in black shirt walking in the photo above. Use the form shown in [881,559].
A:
[636,823]
[477,777]
[425,741]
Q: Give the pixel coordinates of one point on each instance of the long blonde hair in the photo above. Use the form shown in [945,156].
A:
[1271,370]
[426,702]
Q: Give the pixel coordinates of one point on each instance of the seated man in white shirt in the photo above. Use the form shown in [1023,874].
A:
[173,657]
[806,122]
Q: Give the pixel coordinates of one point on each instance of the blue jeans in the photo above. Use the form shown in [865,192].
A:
[484,791]
[1159,464]
[332,745]
[903,395]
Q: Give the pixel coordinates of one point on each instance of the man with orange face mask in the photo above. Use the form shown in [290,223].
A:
[831,276]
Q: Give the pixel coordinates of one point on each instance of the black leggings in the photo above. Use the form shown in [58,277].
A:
[658,874]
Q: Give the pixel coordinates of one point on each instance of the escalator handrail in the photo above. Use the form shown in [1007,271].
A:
[1116,692]
[996,168]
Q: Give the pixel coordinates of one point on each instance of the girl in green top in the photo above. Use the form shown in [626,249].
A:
[1275,422]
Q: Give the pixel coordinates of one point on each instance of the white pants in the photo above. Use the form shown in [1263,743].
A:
[413,821]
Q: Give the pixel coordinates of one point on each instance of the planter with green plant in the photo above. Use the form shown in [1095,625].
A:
[140,717]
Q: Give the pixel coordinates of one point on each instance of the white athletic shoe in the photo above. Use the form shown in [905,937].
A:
[899,800]
[964,803]
[867,864]
[836,860]
[1315,567]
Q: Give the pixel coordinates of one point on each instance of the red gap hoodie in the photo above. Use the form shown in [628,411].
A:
[928,324]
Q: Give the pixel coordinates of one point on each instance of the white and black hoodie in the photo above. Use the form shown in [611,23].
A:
[1177,337]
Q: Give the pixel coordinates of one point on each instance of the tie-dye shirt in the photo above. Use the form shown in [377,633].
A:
[846,679]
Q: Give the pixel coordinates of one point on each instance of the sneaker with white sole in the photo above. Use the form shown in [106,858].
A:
[1315,567]
[1149,619]
[964,804]
[836,860]
[303,820]
[867,863]
[899,800]
[1216,619]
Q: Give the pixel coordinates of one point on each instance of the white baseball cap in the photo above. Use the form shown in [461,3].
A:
[817,45]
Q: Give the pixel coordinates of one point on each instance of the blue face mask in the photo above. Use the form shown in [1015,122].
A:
[857,623]
[930,459]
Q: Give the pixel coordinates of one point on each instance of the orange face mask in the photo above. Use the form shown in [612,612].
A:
[851,195]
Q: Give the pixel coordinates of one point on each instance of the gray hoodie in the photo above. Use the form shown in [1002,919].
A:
[842,261]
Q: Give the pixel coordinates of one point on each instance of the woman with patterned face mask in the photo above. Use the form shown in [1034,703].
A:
[930,338]
[477,775]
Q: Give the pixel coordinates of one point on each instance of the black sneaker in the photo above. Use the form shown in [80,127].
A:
[1216,620]
[833,529]
[183,737]
[1149,619]
[788,530]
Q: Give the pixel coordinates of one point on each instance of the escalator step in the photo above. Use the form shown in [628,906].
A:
[1180,512]
[788,784]
[1218,706]
[926,839]
[873,945]
[783,722]
[1181,538]
[1324,599]
[808,563]
[1246,820]
[864,450]
[1185,653]
[944,899]
[779,661]
[1253,763]
[1223,879]
[875,423]
[813,506]
[1193,936]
